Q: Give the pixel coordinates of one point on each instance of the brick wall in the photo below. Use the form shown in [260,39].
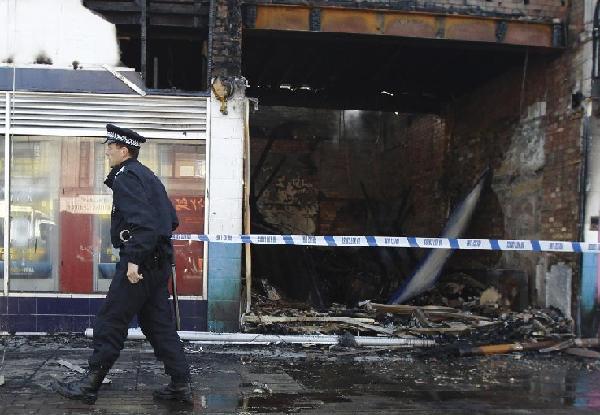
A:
[226,39]
[522,126]
[411,159]
[323,156]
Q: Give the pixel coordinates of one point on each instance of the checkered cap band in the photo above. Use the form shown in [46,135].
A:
[113,136]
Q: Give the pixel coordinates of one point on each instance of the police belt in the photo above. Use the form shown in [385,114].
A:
[159,256]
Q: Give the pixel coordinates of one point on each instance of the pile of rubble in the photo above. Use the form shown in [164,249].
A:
[430,320]
[481,325]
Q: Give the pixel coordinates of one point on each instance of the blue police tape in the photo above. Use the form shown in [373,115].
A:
[398,242]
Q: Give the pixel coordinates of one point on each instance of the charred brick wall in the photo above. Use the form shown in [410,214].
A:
[319,171]
[523,127]
[530,136]
[225,39]
[350,172]
[412,157]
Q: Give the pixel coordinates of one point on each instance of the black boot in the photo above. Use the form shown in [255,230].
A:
[84,389]
[175,391]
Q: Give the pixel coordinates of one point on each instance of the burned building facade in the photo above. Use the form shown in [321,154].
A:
[369,118]
[387,120]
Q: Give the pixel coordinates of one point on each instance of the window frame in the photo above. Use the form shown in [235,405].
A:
[91,129]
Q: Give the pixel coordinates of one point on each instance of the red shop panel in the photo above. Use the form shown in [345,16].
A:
[189,254]
[76,261]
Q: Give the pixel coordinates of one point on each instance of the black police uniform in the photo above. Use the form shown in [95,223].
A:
[142,221]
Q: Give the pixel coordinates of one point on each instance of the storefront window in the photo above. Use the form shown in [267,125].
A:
[34,214]
[60,210]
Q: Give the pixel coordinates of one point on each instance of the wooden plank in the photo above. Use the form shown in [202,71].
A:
[457,316]
[430,311]
[490,349]
[358,322]
[372,327]
[409,309]
[593,342]
[441,330]
[583,352]
[303,319]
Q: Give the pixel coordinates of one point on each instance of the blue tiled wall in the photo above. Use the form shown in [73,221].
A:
[52,315]
[224,284]
[589,289]
[589,270]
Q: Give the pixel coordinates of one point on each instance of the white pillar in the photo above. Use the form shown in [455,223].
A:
[225,195]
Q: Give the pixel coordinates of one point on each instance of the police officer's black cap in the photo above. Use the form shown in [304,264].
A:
[125,136]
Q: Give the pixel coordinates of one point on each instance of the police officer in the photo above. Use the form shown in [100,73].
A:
[142,221]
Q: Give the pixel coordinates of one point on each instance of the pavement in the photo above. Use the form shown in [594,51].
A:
[281,379]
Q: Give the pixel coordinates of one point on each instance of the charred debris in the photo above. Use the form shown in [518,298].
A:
[350,292]
[465,314]
[480,324]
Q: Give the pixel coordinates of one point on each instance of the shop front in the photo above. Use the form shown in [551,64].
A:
[56,258]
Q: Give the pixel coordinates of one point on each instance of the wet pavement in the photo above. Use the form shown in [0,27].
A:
[306,380]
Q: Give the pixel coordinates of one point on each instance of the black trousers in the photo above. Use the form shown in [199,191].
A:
[149,299]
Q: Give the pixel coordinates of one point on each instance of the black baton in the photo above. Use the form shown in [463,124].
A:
[175,299]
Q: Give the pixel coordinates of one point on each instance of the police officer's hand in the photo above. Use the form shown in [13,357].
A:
[132,273]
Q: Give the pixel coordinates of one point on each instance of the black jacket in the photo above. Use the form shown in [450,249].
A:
[143,210]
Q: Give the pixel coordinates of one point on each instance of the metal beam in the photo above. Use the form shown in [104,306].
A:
[408,24]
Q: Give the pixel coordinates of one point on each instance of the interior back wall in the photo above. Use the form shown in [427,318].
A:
[318,167]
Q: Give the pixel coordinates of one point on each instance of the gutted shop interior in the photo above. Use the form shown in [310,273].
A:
[375,135]
[166,41]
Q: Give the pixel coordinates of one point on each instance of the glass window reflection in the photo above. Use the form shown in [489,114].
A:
[60,212]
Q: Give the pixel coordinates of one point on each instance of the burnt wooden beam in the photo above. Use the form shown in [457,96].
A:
[408,24]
